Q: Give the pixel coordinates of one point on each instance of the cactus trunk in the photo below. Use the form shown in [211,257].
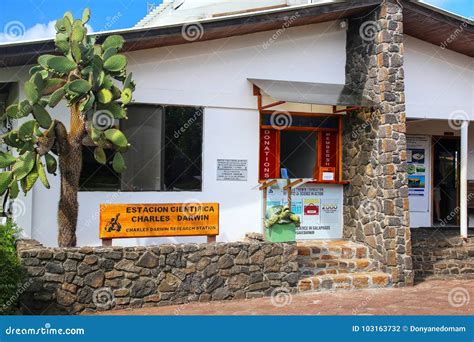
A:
[70,165]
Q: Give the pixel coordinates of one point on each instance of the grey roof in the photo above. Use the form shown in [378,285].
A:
[312,93]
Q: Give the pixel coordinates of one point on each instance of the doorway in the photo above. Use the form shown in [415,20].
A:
[446,173]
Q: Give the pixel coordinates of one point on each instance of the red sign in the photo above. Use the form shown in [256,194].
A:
[268,153]
[329,152]
[311,209]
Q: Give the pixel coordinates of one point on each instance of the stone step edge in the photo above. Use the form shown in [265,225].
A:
[361,252]
[314,283]
[338,262]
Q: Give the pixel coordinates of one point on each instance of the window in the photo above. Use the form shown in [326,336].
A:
[165,152]
[308,147]
[298,153]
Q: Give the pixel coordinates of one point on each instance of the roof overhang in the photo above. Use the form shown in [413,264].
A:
[421,21]
[438,27]
[312,93]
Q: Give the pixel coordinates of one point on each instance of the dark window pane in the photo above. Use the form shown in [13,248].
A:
[95,176]
[165,152]
[183,148]
[144,159]
[298,153]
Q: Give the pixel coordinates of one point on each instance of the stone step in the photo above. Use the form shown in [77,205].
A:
[335,266]
[348,281]
[332,249]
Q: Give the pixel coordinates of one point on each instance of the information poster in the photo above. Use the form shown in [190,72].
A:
[319,207]
[417,169]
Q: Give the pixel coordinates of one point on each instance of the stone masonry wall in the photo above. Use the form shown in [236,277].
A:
[73,280]
[374,144]
[442,253]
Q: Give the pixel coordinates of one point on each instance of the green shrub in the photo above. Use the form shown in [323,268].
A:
[11,271]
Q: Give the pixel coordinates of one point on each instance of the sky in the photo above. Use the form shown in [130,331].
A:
[34,19]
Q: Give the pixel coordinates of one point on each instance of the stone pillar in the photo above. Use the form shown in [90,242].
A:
[376,200]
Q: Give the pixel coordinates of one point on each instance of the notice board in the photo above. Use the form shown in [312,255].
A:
[418,172]
[319,207]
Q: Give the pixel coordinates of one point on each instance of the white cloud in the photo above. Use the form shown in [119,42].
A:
[15,31]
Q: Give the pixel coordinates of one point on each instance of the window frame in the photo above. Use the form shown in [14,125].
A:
[119,125]
[318,169]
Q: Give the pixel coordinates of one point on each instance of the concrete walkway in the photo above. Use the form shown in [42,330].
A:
[432,297]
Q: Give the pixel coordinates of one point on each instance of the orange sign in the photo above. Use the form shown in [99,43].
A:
[157,220]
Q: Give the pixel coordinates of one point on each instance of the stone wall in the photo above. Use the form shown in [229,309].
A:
[374,144]
[442,253]
[73,280]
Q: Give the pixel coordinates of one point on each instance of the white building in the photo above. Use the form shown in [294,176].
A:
[206,63]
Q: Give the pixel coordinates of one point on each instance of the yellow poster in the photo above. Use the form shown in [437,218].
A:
[158,220]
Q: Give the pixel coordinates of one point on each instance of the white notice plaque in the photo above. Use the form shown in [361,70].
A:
[232,169]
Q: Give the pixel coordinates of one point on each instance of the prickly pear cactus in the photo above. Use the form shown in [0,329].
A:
[92,79]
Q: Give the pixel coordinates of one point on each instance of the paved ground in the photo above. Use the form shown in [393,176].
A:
[433,297]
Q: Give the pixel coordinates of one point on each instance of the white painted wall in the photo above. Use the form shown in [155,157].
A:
[214,75]
[439,83]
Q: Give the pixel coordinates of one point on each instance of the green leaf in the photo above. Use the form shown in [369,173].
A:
[86,14]
[87,103]
[80,86]
[62,46]
[104,95]
[5,179]
[109,53]
[114,41]
[126,96]
[6,159]
[118,164]
[115,109]
[68,16]
[76,51]
[25,132]
[116,137]
[13,112]
[12,139]
[24,165]
[38,81]
[42,173]
[42,116]
[95,134]
[28,181]
[61,65]
[99,155]
[78,31]
[127,81]
[60,27]
[31,92]
[33,70]
[51,163]
[52,84]
[115,63]
[14,190]
[56,97]
[24,108]
[28,146]
[43,60]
